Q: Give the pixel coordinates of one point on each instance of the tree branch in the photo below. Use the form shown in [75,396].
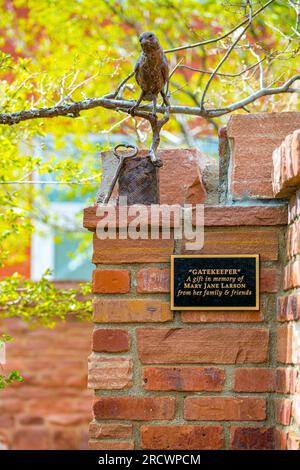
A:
[115,101]
[73,109]
[285,88]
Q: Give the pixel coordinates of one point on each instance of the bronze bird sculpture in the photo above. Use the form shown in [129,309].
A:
[151,71]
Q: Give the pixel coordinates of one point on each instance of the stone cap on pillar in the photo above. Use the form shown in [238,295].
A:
[286,166]
[214,216]
[185,178]
[251,140]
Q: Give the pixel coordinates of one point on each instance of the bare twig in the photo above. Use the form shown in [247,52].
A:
[285,88]
[82,181]
[261,68]
[48,182]
[108,131]
[177,66]
[122,16]
[69,94]
[296,6]
[224,58]
[222,74]
[296,32]
[219,38]
[115,94]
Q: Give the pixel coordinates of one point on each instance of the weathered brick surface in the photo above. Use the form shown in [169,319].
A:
[223,345]
[66,439]
[111,281]
[67,419]
[280,439]
[295,405]
[237,241]
[184,162]
[111,445]
[284,346]
[294,207]
[186,378]
[35,438]
[254,380]
[269,280]
[292,275]
[252,136]
[110,431]
[286,163]
[286,183]
[214,215]
[131,251]
[134,407]
[286,380]
[239,215]
[295,155]
[54,395]
[124,216]
[182,437]
[288,344]
[288,307]
[283,407]
[36,420]
[293,441]
[131,311]
[153,280]
[109,373]
[110,340]
[218,316]
[251,438]
[293,239]
[225,408]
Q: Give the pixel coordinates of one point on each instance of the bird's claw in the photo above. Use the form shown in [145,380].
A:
[156,161]
[131,110]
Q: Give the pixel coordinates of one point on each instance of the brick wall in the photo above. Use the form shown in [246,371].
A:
[286,183]
[51,409]
[186,380]
[199,380]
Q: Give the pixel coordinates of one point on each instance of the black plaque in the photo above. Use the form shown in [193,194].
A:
[209,282]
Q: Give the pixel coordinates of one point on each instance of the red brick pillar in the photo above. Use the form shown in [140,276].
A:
[286,183]
[190,380]
[202,379]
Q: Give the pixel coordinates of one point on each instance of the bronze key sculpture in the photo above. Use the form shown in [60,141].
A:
[137,177]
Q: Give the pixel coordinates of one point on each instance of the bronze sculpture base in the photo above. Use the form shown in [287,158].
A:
[139,181]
